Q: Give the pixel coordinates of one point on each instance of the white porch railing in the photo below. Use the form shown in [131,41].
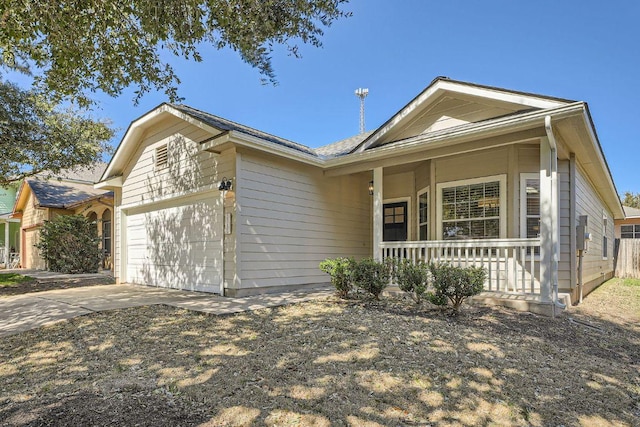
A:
[512,265]
[3,254]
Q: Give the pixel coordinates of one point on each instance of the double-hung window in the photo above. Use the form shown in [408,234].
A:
[605,239]
[530,205]
[473,209]
[423,214]
[631,231]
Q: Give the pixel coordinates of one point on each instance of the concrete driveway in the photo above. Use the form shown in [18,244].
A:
[24,312]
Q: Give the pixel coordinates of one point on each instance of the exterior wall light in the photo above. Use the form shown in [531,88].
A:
[225,184]
[371,188]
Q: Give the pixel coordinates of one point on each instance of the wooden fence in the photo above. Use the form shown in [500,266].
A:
[628,258]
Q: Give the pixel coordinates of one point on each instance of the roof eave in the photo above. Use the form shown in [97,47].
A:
[512,123]
[250,141]
[441,85]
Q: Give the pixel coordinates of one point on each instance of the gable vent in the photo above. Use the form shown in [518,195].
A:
[161,156]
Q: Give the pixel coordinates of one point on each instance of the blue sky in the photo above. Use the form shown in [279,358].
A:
[583,50]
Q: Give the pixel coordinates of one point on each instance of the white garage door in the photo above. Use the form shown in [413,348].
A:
[177,246]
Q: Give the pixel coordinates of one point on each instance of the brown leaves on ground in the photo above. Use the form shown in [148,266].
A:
[330,362]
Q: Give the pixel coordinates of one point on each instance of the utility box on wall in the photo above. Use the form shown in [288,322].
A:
[582,234]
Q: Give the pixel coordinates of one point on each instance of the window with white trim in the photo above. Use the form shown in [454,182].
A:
[472,209]
[423,214]
[530,205]
[631,231]
[605,240]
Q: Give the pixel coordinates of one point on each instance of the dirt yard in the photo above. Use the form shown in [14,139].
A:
[331,362]
[29,285]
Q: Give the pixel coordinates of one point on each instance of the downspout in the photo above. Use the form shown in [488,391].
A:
[554,218]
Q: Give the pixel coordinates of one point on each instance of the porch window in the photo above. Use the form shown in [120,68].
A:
[630,231]
[472,209]
[423,215]
[605,240]
[530,205]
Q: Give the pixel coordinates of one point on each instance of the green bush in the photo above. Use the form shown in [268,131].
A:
[456,284]
[371,276]
[70,244]
[412,278]
[341,272]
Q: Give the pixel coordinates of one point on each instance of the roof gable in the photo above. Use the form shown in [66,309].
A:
[448,103]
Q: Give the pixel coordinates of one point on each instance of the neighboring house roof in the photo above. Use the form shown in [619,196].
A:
[630,212]
[66,189]
[63,194]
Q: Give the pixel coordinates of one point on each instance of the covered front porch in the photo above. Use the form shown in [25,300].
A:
[495,208]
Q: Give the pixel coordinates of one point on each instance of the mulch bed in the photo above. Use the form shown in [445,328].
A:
[329,362]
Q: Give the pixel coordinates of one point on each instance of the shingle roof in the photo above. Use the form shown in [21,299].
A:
[88,174]
[342,147]
[228,125]
[54,193]
[630,212]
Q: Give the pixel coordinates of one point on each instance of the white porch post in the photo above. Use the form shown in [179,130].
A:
[377,213]
[547,220]
[7,246]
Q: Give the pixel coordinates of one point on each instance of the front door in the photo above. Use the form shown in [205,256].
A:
[394,222]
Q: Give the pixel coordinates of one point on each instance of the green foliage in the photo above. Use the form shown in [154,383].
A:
[456,283]
[435,298]
[631,199]
[412,278]
[341,272]
[70,244]
[11,279]
[38,137]
[97,45]
[371,276]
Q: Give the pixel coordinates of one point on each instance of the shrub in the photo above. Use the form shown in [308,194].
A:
[341,272]
[371,276]
[70,244]
[456,284]
[412,278]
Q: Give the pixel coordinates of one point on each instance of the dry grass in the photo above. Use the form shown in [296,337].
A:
[331,362]
[18,284]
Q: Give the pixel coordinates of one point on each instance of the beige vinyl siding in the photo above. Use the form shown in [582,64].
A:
[188,168]
[565,223]
[448,112]
[589,203]
[472,165]
[291,217]
[117,234]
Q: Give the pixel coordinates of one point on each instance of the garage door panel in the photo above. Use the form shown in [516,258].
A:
[177,246]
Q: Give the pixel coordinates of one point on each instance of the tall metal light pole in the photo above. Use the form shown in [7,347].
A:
[362,94]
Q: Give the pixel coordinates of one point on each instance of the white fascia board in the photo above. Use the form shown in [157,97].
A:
[249,141]
[511,123]
[115,182]
[137,127]
[443,86]
[133,132]
[610,186]
[431,93]
[498,95]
